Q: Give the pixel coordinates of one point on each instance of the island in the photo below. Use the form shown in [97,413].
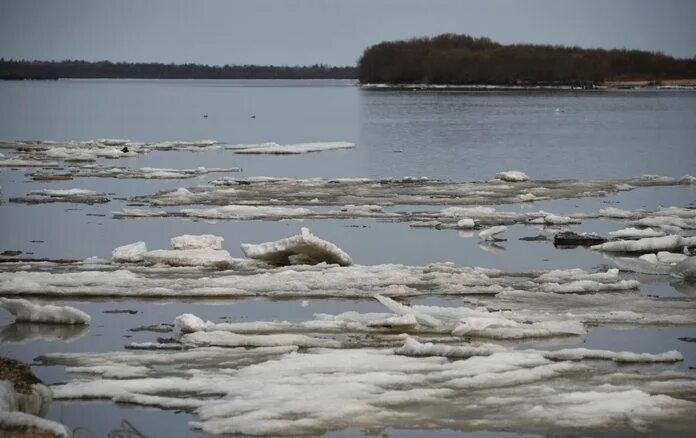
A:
[452,59]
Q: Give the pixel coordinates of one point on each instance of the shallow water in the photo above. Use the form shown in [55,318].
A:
[449,135]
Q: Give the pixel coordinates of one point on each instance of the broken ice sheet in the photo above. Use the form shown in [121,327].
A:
[82,196]
[289,149]
[95,171]
[404,191]
[305,248]
[26,311]
[351,329]
[247,277]
[320,390]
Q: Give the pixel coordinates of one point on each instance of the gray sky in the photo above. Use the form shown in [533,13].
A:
[322,31]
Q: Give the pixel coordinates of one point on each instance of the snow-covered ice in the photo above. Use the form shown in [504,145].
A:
[636,233]
[129,253]
[492,233]
[647,244]
[241,212]
[217,258]
[62,195]
[299,148]
[304,248]
[512,176]
[201,241]
[320,390]
[27,311]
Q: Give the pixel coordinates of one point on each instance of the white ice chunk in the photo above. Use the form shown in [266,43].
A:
[129,253]
[304,248]
[228,339]
[466,223]
[362,210]
[69,192]
[27,311]
[300,148]
[400,309]
[512,176]
[616,356]
[617,213]
[138,213]
[113,141]
[412,347]
[688,179]
[553,219]
[464,212]
[528,197]
[601,408]
[637,233]
[190,257]
[245,212]
[189,323]
[667,221]
[201,241]
[492,232]
[648,244]
[665,257]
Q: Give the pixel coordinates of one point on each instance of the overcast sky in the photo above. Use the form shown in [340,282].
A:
[320,31]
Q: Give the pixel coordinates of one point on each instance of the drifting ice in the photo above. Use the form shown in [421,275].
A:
[27,311]
[188,241]
[512,176]
[129,253]
[304,248]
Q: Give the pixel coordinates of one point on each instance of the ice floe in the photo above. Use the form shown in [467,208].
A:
[370,329]
[512,176]
[187,250]
[647,244]
[412,347]
[189,241]
[666,218]
[218,258]
[244,212]
[304,248]
[299,148]
[81,152]
[26,162]
[321,390]
[636,233]
[82,196]
[94,171]
[492,233]
[27,311]
[129,253]
[383,192]
[249,277]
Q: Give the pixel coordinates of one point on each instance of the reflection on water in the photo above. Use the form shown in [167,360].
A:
[127,430]
[92,420]
[23,332]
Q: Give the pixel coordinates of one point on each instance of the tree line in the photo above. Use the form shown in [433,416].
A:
[463,59]
[22,69]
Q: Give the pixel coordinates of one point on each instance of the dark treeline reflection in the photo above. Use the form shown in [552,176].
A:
[11,69]
[462,59]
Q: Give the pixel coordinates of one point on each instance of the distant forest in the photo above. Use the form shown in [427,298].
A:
[446,59]
[462,59]
[11,69]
